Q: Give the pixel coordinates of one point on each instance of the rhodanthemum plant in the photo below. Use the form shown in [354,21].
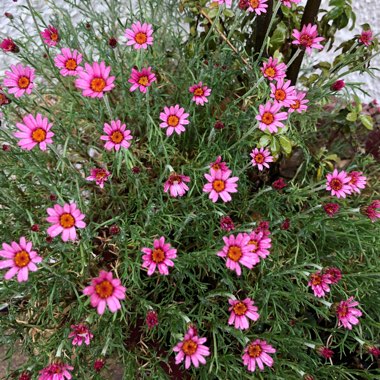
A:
[176,203]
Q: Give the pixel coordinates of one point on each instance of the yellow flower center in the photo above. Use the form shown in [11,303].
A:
[143,80]
[255,244]
[23,82]
[267,118]
[98,84]
[116,137]
[104,289]
[218,185]
[173,120]
[66,220]
[316,279]
[158,255]
[280,94]
[240,309]
[54,36]
[141,38]
[270,71]
[296,105]
[254,350]
[199,91]
[259,158]
[39,135]
[234,253]
[71,64]
[189,347]
[22,259]
[254,3]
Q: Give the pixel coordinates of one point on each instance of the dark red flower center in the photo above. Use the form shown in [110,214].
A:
[104,289]
[306,40]
[21,259]
[174,179]
[336,184]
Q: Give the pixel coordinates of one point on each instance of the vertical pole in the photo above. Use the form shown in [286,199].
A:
[262,24]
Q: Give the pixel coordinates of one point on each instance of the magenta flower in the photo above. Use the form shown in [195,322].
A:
[260,158]
[279,184]
[34,131]
[257,6]
[338,85]
[174,118]
[283,93]
[373,210]
[357,181]
[273,70]
[227,224]
[192,349]
[319,283]
[95,80]
[219,165]
[257,353]
[220,184]
[288,3]
[308,38]
[151,319]
[20,259]
[99,176]
[141,79]
[117,135]
[69,62]
[160,256]
[241,311]
[338,183]
[325,352]
[176,184]
[56,371]
[299,104]
[366,37]
[331,209]
[260,244]
[19,80]
[99,364]
[270,117]
[9,46]
[105,291]
[64,219]
[200,93]
[140,36]
[334,273]
[347,313]
[50,37]
[81,333]
[238,251]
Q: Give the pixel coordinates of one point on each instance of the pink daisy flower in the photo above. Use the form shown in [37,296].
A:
[257,353]
[257,6]
[99,176]
[56,371]
[220,184]
[331,209]
[273,70]
[270,117]
[373,210]
[366,37]
[260,244]
[64,219]
[116,135]
[95,80]
[357,181]
[140,36]
[288,3]
[20,259]
[260,158]
[9,46]
[50,36]
[192,349]
[241,311]
[81,333]
[34,131]
[237,250]
[174,118]
[347,313]
[219,165]
[69,62]
[141,79]
[283,93]
[338,183]
[319,283]
[176,185]
[334,273]
[299,104]
[105,291]
[308,38]
[200,93]
[19,80]
[160,256]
